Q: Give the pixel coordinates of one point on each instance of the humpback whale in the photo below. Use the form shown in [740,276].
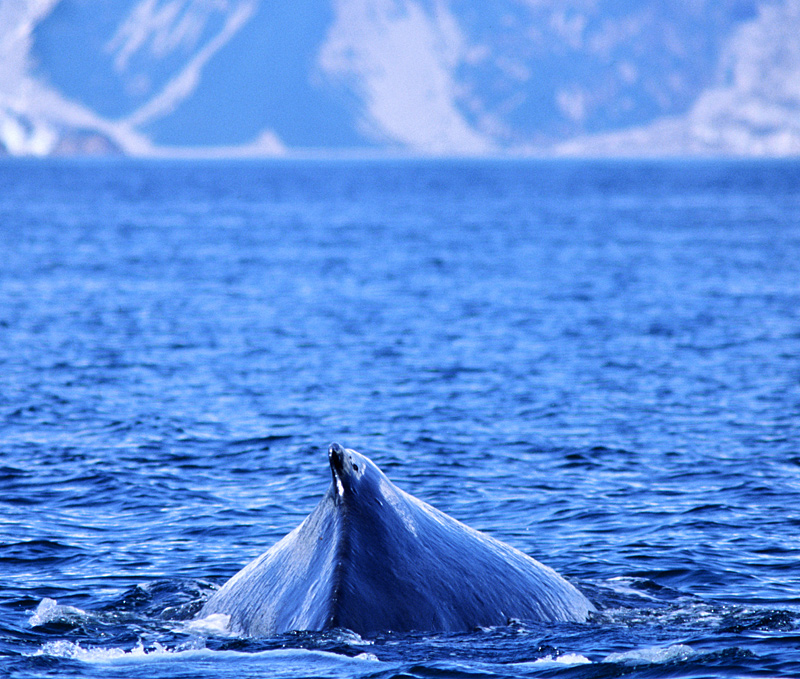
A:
[372,558]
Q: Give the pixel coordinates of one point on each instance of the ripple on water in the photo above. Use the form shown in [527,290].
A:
[596,363]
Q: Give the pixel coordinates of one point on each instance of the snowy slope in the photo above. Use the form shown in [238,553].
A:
[433,77]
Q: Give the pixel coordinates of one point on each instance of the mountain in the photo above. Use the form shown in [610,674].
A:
[429,77]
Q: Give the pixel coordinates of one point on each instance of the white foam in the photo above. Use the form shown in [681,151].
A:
[572,659]
[651,656]
[348,636]
[674,614]
[48,611]
[567,659]
[74,651]
[159,653]
[216,623]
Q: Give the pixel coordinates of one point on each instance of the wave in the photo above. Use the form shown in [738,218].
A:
[639,626]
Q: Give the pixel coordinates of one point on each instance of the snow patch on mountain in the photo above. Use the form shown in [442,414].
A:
[400,59]
[753,109]
[160,29]
[35,119]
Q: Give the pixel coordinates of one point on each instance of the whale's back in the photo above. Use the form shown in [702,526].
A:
[373,558]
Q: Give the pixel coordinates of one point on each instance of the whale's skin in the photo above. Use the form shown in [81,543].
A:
[372,558]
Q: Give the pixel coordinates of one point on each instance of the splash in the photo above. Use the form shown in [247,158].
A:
[566,659]
[652,656]
[74,651]
[216,623]
[158,652]
[49,611]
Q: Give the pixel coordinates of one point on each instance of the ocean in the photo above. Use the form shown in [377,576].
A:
[597,362]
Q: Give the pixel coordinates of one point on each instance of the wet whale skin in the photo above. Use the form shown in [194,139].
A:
[373,558]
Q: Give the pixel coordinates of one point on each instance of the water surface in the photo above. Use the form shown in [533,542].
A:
[598,363]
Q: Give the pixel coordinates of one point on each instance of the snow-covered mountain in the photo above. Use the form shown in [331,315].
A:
[433,77]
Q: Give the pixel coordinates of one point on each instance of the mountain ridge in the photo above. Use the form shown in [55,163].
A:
[400,77]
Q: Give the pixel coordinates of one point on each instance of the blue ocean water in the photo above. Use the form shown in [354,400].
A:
[597,362]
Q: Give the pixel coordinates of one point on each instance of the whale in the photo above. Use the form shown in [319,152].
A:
[374,559]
